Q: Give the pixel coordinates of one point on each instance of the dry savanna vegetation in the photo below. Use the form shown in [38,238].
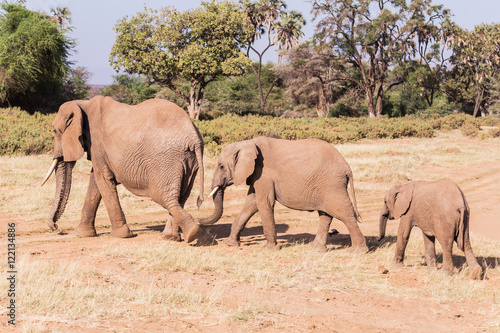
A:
[69,284]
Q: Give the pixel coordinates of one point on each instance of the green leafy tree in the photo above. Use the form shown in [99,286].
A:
[75,84]
[477,55]
[196,45]
[130,89]
[282,28]
[374,36]
[33,57]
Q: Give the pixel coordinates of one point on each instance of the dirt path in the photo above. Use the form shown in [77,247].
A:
[300,309]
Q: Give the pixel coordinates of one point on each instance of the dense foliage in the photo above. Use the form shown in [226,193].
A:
[24,134]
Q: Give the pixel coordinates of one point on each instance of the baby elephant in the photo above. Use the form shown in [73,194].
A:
[440,210]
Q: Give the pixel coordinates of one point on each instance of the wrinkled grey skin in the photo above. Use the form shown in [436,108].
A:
[152,149]
[303,175]
[440,210]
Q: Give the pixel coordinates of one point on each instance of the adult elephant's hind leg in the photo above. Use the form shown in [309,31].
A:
[86,228]
[319,242]
[190,229]
[344,211]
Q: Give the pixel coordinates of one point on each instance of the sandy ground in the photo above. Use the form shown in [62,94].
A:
[307,310]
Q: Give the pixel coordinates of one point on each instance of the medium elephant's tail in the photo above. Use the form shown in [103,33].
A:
[463,225]
[198,148]
[350,180]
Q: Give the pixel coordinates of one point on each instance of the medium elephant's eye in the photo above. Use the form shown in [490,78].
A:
[221,166]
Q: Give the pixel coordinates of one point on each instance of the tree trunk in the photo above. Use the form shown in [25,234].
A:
[369,100]
[479,100]
[378,107]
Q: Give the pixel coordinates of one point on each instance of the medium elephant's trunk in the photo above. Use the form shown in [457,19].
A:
[219,207]
[384,215]
[63,187]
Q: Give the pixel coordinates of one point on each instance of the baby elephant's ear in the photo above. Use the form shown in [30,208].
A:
[244,162]
[402,200]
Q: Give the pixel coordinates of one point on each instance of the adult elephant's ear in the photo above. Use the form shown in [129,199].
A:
[244,162]
[402,200]
[72,140]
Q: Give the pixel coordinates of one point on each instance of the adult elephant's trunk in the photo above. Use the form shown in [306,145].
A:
[219,207]
[63,187]
[384,215]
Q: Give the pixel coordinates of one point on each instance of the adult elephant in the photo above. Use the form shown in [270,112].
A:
[303,175]
[440,210]
[153,149]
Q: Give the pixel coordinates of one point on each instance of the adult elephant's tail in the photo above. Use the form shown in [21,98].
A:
[198,148]
[350,180]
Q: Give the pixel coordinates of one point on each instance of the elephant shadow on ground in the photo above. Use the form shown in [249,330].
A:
[373,243]
[485,262]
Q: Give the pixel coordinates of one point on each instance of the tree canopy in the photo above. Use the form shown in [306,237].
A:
[33,56]
[196,45]
[374,36]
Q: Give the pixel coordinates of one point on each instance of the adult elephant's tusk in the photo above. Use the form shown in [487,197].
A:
[52,167]
[213,191]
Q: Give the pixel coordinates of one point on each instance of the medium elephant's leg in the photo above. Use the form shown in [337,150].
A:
[86,228]
[430,250]
[107,188]
[475,269]
[403,236]
[249,210]
[319,242]
[265,200]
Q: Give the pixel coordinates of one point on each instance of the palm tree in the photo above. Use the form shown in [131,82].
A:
[61,17]
[283,29]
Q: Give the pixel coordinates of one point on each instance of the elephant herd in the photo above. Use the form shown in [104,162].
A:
[153,149]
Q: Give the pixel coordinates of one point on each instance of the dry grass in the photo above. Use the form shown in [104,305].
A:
[134,280]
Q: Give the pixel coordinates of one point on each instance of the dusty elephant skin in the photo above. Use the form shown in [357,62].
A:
[152,149]
[440,210]
[308,175]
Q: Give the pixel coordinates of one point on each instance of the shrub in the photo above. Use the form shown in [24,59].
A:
[25,134]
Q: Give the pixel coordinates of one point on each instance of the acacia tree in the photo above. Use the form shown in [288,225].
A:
[308,75]
[477,55]
[282,28]
[374,36]
[196,45]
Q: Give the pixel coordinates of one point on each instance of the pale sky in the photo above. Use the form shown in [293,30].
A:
[93,22]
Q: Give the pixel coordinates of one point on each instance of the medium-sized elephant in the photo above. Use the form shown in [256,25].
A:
[440,210]
[308,175]
[153,149]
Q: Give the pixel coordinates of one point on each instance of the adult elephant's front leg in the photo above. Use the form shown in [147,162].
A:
[249,210]
[86,228]
[107,188]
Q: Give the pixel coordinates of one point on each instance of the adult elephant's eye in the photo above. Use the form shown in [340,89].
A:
[221,167]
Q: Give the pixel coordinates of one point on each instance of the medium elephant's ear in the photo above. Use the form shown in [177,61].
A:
[402,200]
[72,134]
[244,162]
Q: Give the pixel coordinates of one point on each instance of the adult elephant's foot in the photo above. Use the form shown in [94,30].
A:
[476,273]
[359,248]
[271,247]
[121,232]
[85,231]
[191,232]
[231,242]
[316,246]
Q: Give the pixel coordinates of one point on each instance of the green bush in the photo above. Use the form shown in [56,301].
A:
[25,134]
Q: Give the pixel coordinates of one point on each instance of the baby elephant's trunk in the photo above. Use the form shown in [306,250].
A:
[383,222]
